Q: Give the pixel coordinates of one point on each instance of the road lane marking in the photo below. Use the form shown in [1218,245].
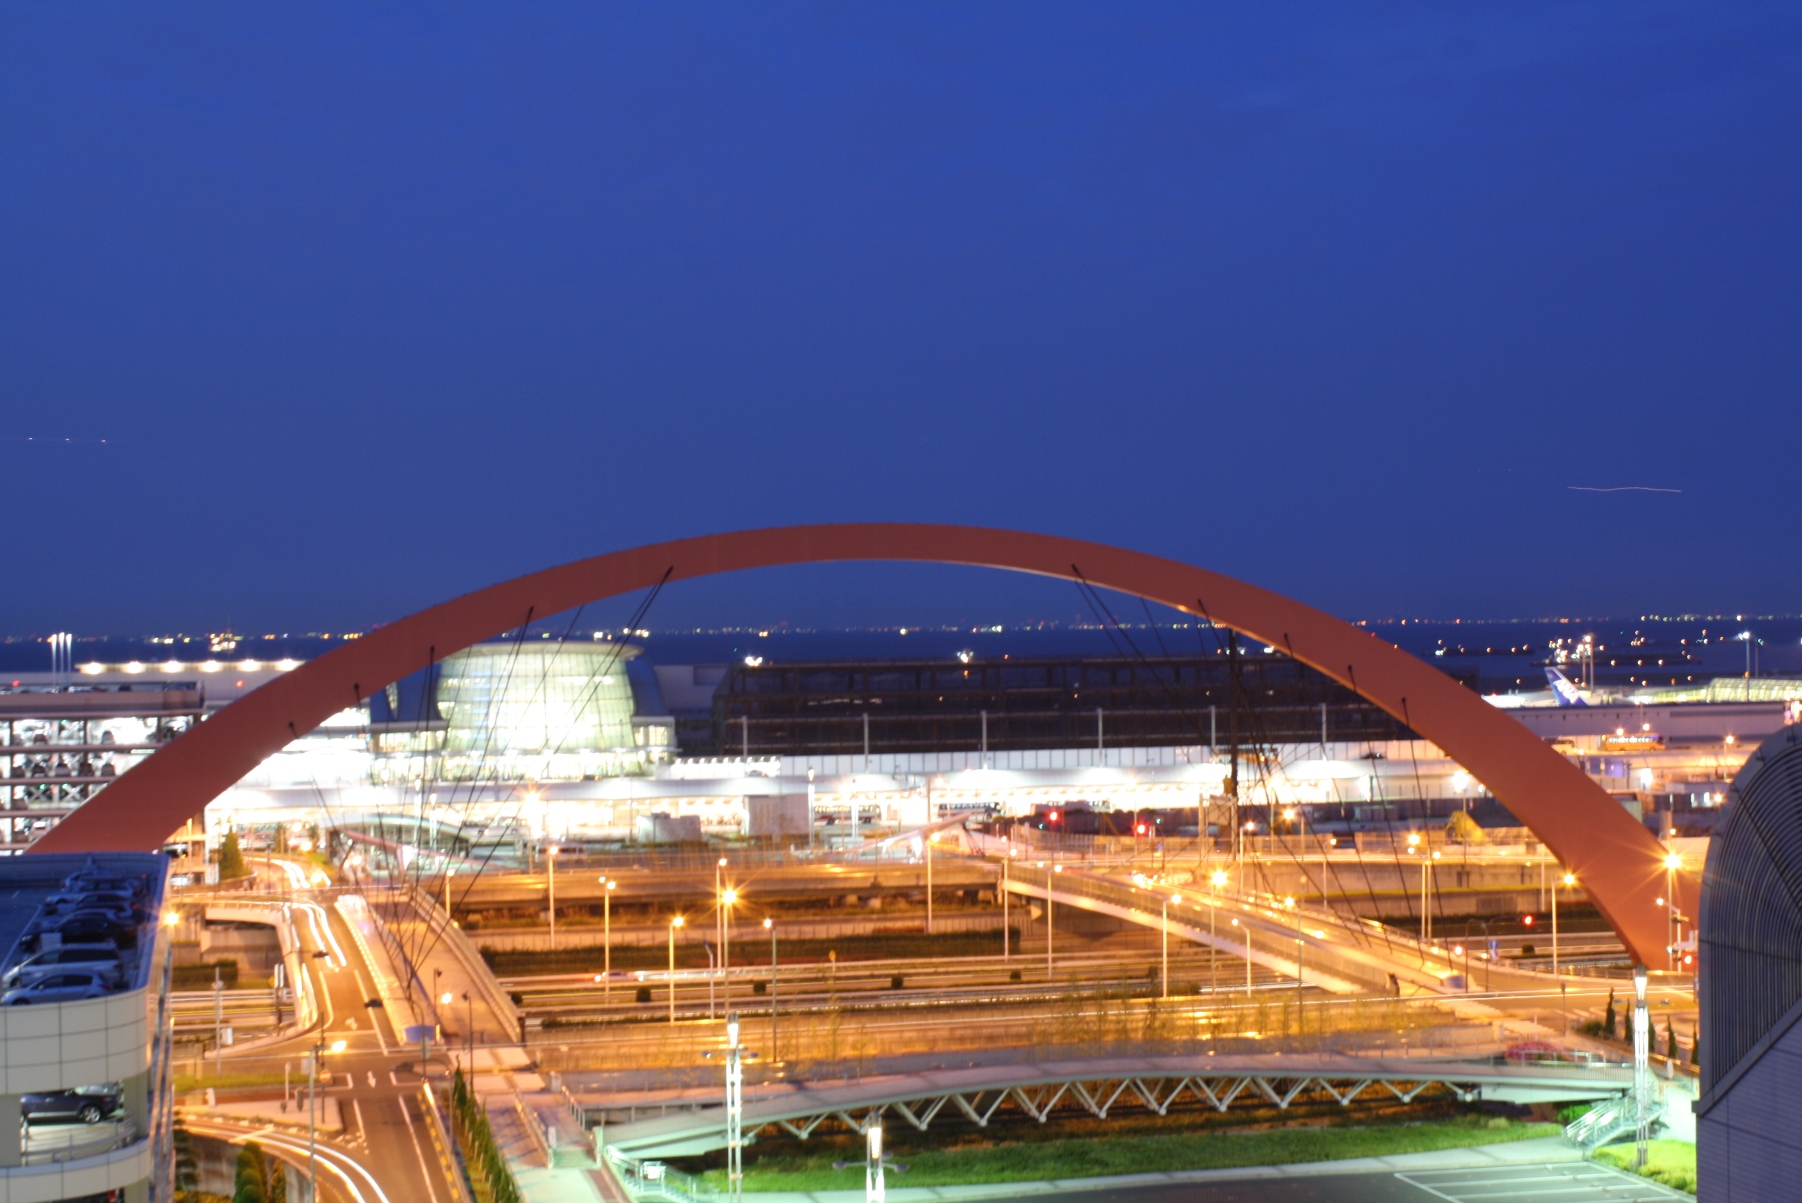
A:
[1570,1183]
[413,1135]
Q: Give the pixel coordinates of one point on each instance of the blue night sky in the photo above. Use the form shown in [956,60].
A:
[377,304]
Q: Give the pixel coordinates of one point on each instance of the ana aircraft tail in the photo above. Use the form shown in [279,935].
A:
[1566,693]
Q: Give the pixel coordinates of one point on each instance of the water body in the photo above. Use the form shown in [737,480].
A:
[1501,655]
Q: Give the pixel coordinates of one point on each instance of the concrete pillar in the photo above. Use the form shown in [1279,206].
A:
[11,1144]
[136,1094]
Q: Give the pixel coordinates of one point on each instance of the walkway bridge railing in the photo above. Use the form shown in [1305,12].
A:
[1102,1087]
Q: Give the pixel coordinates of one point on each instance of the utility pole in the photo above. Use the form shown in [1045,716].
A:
[1050,969]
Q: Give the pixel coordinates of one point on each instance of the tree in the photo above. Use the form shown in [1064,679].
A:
[1608,1016]
[252,1170]
[187,1168]
[1462,829]
[231,858]
[260,1179]
[1670,1039]
[1695,1046]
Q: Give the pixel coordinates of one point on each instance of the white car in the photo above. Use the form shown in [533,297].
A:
[68,985]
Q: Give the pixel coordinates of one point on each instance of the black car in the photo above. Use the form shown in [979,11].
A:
[89,929]
[89,1104]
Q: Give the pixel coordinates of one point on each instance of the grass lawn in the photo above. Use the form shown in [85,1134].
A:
[186,1082]
[1133,1153]
[1672,1162]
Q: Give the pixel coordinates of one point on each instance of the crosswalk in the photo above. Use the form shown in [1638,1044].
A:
[1572,1182]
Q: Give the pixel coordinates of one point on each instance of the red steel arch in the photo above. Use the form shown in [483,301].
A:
[1619,862]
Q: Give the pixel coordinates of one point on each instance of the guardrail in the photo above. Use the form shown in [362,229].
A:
[458,945]
[1607,1120]
[645,1180]
[48,1144]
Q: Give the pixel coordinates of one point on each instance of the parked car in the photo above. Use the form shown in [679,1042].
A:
[87,928]
[73,898]
[67,985]
[104,881]
[89,1104]
[123,912]
[103,958]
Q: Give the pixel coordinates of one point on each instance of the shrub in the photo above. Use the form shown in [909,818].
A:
[644,994]
[475,1141]
[895,982]
[760,987]
[200,977]
[231,858]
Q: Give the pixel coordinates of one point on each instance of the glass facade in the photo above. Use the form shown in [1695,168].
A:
[520,712]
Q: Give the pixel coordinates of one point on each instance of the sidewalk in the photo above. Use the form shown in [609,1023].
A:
[1543,1151]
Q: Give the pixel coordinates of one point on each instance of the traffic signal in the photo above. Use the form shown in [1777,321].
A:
[1526,921]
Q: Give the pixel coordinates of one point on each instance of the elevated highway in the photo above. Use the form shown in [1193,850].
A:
[1336,952]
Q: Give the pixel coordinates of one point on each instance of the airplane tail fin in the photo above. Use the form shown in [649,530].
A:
[1567,694]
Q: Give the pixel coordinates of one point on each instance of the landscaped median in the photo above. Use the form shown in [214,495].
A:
[1126,1149]
[1672,1162]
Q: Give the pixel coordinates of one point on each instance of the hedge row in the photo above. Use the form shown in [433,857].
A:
[482,1158]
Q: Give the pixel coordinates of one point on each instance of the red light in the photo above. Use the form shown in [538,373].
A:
[1526,921]
[1141,829]
[1052,816]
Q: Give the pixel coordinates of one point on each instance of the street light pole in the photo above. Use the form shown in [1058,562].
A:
[1673,930]
[1006,932]
[770,926]
[1164,930]
[1219,881]
[1642,1078]
[926,847]
[673,925]
[735,1114]
[550,868]
[607,939]
[1569,879]
[726,901]
[312,1123]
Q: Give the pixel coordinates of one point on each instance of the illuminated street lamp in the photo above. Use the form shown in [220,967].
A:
[1674,929]
[673,925]
[726,901]
[607,938]
[1568,880]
